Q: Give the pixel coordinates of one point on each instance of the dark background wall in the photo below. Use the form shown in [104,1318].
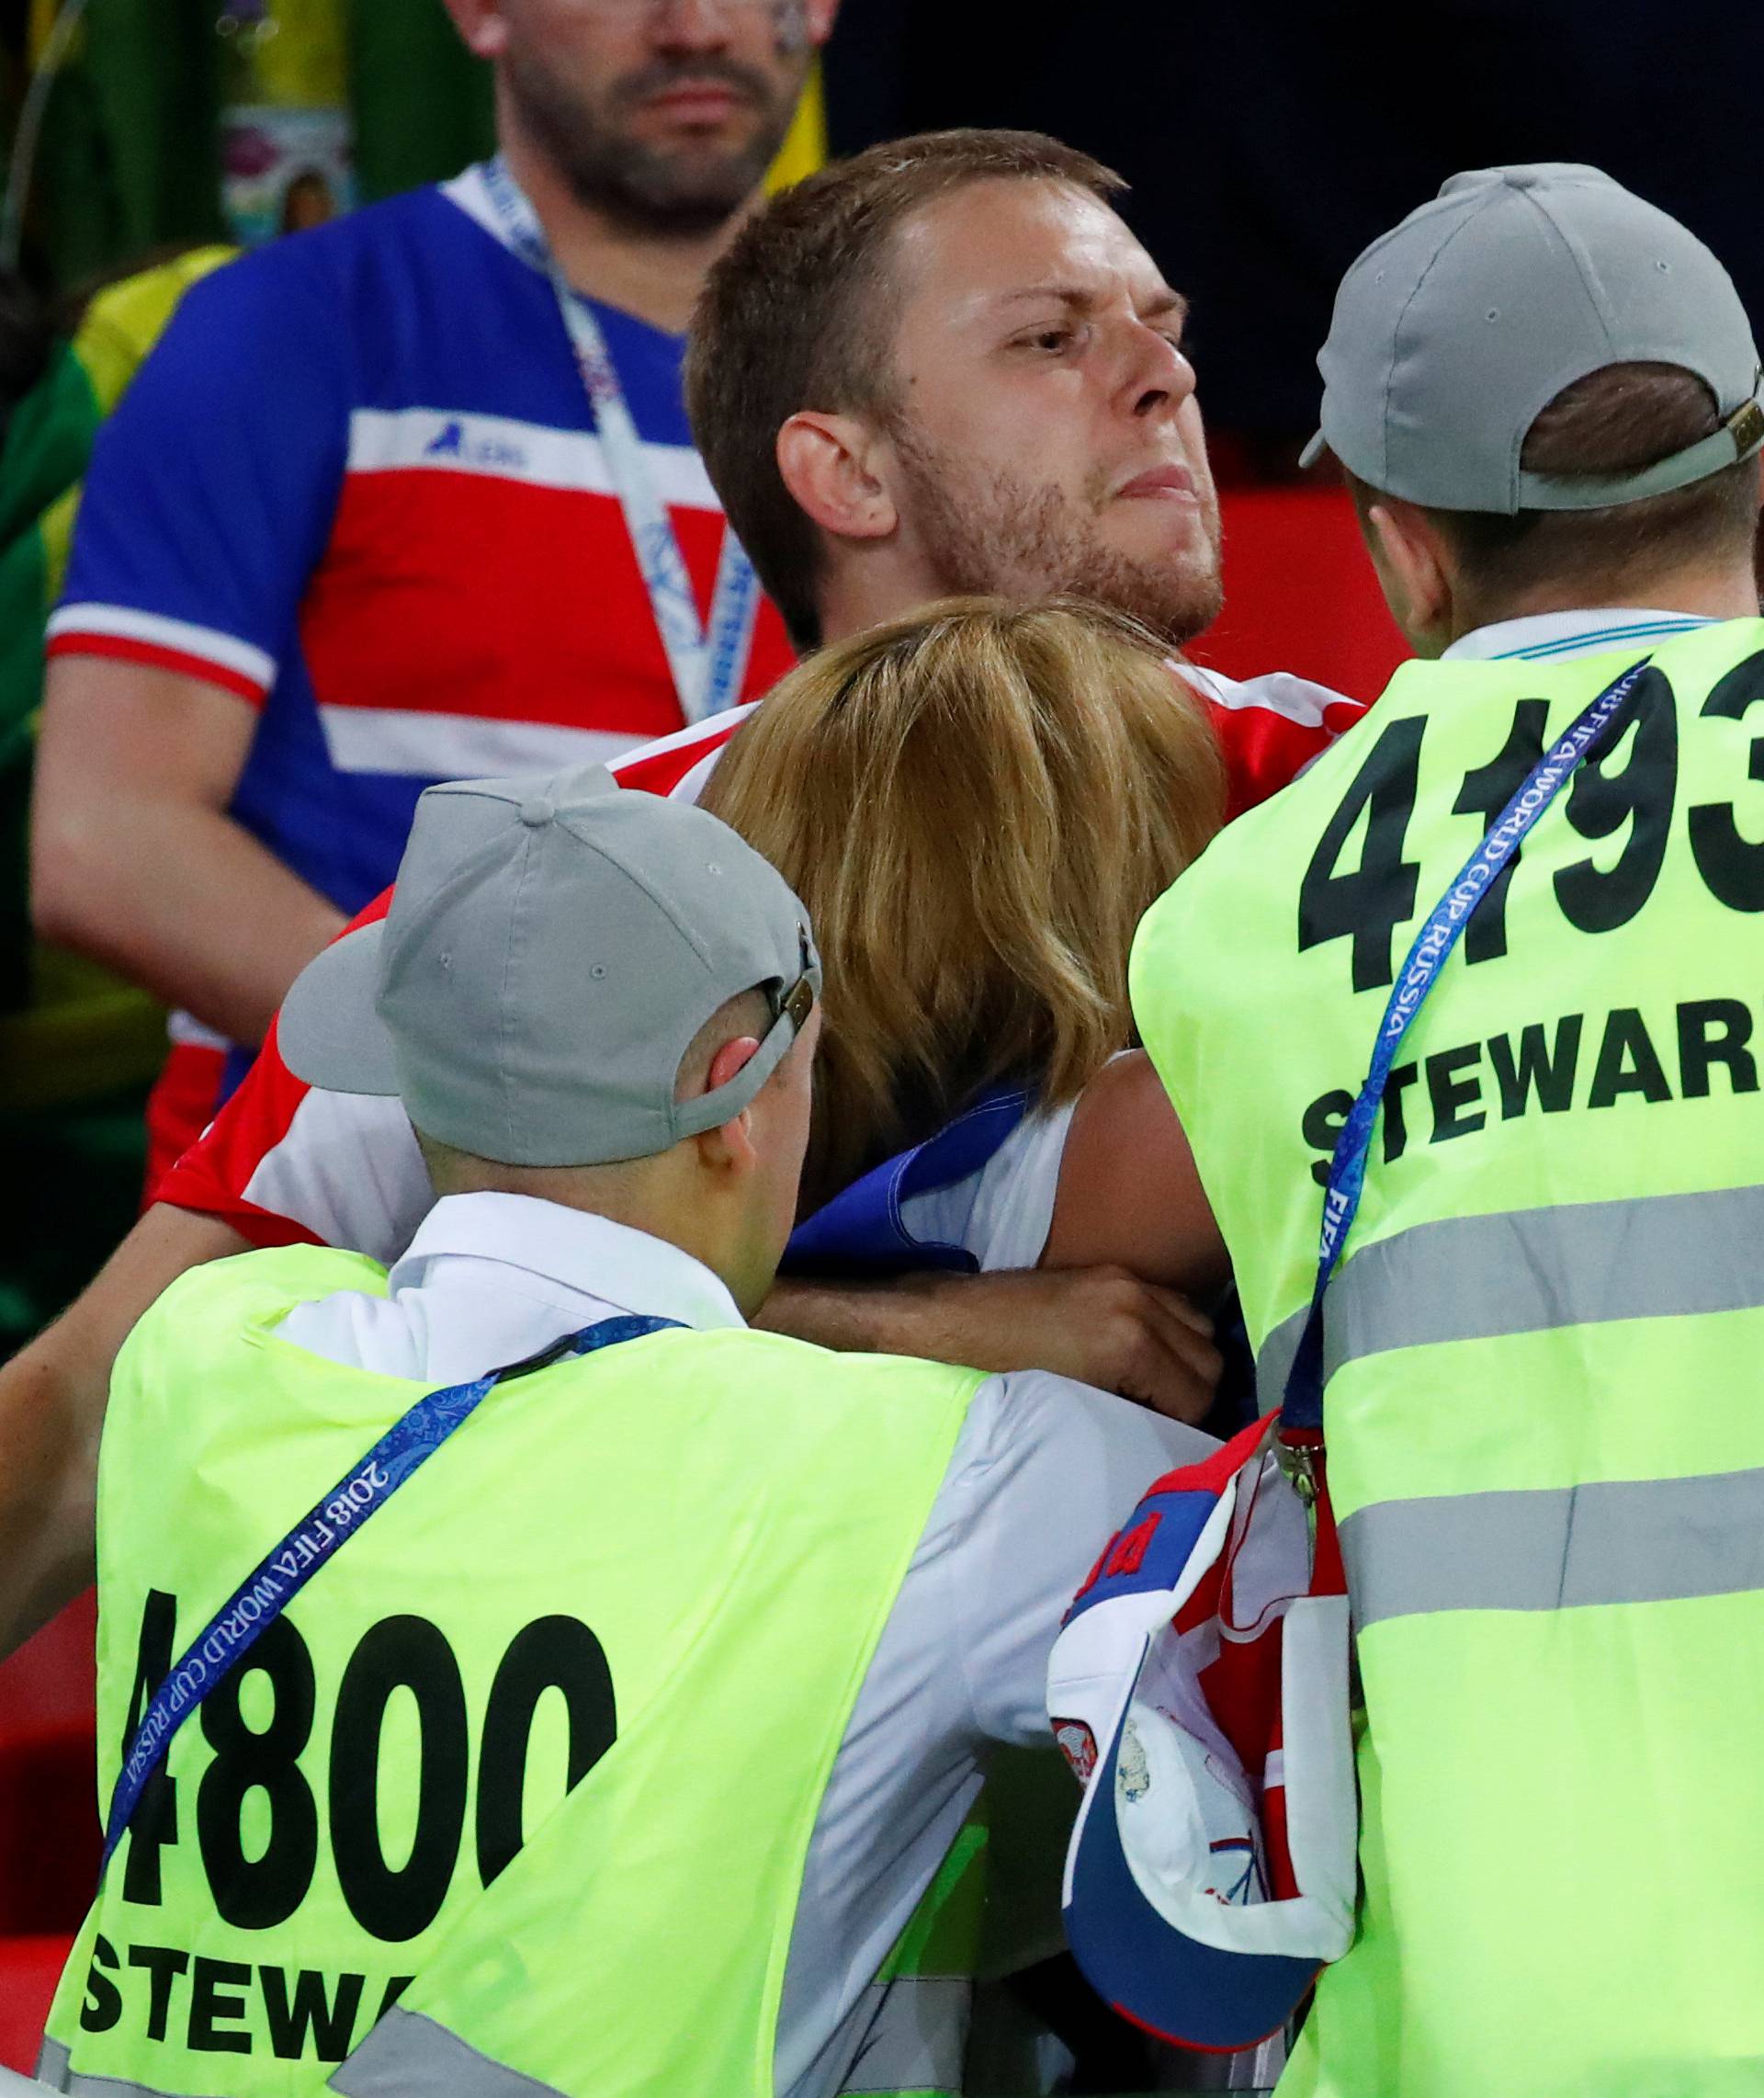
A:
[1267,140]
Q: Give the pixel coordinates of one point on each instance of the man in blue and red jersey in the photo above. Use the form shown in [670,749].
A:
[357,525]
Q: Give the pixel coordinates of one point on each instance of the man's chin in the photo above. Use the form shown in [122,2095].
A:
[686,190]
[1177,600]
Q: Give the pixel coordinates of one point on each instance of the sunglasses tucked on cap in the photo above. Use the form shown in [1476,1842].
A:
[553,946]
[1452,332]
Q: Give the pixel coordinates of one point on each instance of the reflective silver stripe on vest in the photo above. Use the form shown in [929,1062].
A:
[1527,1271]
[407,2052]
[916,2040]
[55,2074]
[1644,1540]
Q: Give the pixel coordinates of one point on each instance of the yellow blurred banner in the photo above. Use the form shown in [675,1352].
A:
[804,145]
[42,20]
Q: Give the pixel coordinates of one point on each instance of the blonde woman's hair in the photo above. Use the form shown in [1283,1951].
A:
[978,804]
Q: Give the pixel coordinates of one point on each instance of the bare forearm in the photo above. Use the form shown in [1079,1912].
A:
[932,1316]
[52,1398]
[134,859]
[49,1432]
[1099,1325]
[187,903]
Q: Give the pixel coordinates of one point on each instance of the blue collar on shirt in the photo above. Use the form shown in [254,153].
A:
[863,1230]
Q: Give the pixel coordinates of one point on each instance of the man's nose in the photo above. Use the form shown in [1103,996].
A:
[1157,375]
[690,24]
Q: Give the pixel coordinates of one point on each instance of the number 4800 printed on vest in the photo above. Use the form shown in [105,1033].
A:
[413,1788]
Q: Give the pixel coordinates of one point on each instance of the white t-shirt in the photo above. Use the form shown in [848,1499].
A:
[1043,1471]
[350,1171]
[1003,1212]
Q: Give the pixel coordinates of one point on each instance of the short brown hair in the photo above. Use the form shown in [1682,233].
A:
[789,318]
[1626,416]
[978,804]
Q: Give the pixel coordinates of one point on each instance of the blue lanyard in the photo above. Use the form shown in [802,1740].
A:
[254,1605]
[1302,1407]
[709,664]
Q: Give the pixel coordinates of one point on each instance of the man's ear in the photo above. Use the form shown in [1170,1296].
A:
[481,28]
[828,464]
[730,1146]
[1414,566]
[818,21]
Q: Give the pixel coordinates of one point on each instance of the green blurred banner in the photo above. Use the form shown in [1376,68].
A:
[128,161]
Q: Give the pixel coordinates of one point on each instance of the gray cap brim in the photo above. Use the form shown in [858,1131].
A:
[328,1030]
[1314,451]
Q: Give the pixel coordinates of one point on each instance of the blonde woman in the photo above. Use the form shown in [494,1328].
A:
[978,804]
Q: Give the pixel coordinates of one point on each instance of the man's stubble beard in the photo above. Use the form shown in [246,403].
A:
[992,535]
[647,189]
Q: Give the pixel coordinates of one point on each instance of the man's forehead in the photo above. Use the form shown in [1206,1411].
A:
[999,240]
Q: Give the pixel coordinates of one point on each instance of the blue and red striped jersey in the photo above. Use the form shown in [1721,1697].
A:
[358,485]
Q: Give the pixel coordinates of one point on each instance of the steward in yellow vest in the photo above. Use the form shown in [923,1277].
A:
[1543,1351]
[612,1755]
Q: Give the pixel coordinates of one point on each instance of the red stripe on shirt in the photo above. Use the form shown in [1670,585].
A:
[123,650]
[446,593]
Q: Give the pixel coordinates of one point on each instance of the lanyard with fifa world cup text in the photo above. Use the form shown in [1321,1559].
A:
[708,662]
[1301,1420]
[260,1598]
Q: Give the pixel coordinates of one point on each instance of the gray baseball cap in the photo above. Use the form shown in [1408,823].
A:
[552,947]
[1452,331]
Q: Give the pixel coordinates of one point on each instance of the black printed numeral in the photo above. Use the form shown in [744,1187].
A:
[1732,867]
[1368,903]
[155,1818]
[1485,793]
[554,1653]
[259,1861]
[251,1893]
[399,1653]
[1606,796]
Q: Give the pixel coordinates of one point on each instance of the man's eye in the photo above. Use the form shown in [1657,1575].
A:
[1056,336]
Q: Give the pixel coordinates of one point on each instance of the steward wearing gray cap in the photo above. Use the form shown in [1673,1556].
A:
[610,1757]
[1465,1029]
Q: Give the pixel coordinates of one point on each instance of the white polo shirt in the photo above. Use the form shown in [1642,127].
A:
[1043,1470]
